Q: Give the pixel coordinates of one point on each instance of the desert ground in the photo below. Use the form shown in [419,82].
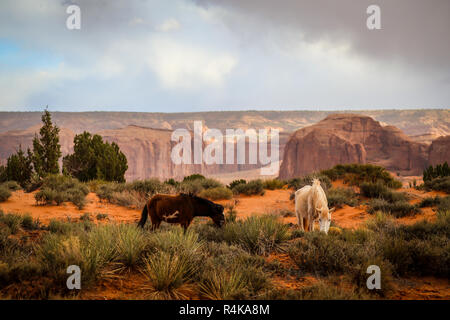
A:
[272,202]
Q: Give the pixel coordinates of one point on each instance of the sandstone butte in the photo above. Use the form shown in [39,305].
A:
[352,138]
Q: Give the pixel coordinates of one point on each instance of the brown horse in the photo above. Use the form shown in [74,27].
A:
[180,209]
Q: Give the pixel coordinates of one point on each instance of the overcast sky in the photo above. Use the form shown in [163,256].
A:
[197,55]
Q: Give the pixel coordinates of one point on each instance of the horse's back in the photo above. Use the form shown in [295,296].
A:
[166,205]
[301,200]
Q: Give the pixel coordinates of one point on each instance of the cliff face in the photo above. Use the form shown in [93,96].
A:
[339,138]
[439,151]
[148,152]
[351,138]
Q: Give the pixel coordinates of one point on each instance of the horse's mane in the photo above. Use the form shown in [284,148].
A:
[199,199]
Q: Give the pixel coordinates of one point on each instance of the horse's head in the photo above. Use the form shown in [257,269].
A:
[324,218]
[210,209]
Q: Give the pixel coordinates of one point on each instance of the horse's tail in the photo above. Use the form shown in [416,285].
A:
[144,216]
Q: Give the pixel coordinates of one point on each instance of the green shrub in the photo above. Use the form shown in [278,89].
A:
[195,176]
[355,174]
[337,197]
[429,202]
[438,184]
[253,187]
[236,182]
[29,223]
[5,193]
[58,189]
[298,183]
[221,284]
[12,220]
[70,228]
[128,195]
[11,185]
[148,187]
[131,243]
[444,204]
[272,184]
[398,208]
[167,272]
[93,185]
[175,239]
[216,193]
[101,216]
[257,234]
[380,190]
[57,252]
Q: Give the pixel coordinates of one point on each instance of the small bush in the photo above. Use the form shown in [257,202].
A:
[57,252]
[273,184]
[259,235]
[167,272]
[356,174]
[220,284]
[11,185]
[58,189]
[12,220]
[236,182]
[195,176]
[29,223]
[438,184]
[429,202]
[337,197]
[216,193]
[253,187]
[380,190]
[444,205]
[5,193]
[101,216]
[398,209]
[131,243]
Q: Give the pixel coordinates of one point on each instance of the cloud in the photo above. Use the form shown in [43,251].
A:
[169,25]
[181,66]
[414,32]
[190,55]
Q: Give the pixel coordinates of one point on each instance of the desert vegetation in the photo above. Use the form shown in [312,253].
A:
[228,263]
[356,174]
[56,189]
[437,178]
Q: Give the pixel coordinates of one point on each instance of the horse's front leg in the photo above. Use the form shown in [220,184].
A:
[186,225]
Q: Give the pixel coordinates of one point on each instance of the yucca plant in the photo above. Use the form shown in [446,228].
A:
[220,284]
[258,235]
[167,272]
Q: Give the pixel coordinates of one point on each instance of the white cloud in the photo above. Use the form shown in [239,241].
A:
[169,25]
[181,66]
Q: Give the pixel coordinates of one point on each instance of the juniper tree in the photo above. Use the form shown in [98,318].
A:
[46,148]
[19,168]
[95,159]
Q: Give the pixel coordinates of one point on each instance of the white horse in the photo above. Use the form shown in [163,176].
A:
[311,204]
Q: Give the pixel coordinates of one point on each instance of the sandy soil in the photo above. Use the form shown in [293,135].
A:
[21,202]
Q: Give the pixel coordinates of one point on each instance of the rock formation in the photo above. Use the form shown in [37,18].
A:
[351,138]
